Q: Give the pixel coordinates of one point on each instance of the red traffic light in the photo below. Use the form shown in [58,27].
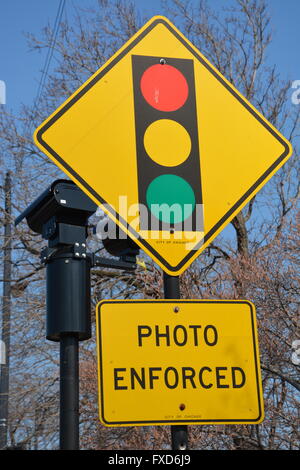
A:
[164,87]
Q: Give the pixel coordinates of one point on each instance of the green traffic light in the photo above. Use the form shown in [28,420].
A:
[170,199]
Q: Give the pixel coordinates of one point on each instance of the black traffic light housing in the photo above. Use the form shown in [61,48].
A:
[184,113]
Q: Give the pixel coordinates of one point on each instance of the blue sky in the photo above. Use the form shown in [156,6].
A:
[21,69]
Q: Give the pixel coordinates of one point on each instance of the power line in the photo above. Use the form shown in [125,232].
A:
[49,57]
[41,85]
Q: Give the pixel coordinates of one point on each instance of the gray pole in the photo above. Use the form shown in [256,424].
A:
[179,433]
[6,311]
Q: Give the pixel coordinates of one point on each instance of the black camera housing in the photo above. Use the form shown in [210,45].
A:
[62,200]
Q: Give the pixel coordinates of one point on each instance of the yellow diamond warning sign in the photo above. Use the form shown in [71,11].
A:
[167,147]
[178,362]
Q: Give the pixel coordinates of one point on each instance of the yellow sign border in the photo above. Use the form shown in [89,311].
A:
[231,213]
[101,400]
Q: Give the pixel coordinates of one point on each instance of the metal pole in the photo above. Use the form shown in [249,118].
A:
[6,312]
[179,433]
[68,321]
[69,392]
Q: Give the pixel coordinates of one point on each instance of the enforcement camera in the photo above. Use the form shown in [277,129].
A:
[62,200]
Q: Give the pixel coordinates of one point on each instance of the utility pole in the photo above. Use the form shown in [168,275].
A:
[6,312]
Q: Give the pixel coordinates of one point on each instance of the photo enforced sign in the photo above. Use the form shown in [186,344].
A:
[183,362]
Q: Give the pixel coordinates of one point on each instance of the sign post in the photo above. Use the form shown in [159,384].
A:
[179,433]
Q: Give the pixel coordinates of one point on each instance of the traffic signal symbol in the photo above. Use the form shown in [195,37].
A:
[167,144]
[98,135]
[164,88]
